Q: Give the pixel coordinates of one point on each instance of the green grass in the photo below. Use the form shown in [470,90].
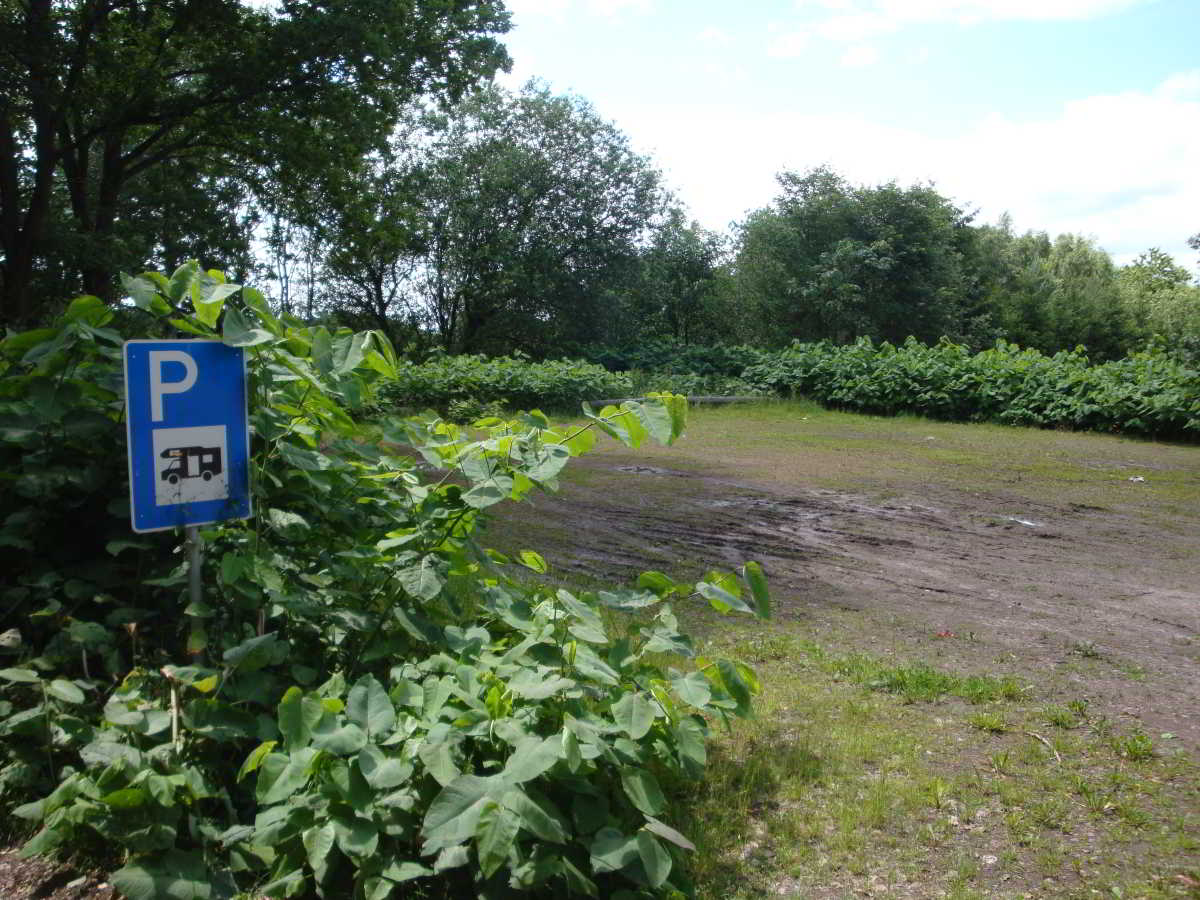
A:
[798,442]
[860,777]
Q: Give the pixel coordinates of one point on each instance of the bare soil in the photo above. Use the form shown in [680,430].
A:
[37,879]
[1096,602]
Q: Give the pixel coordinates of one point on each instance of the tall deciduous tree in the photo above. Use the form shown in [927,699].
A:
[1161,296]
[97,94]
[831,260]
[537,208]
[680,287]
[511,221]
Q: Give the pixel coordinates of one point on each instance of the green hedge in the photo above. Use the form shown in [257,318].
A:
[1152,393]
[677,358]
[514,383]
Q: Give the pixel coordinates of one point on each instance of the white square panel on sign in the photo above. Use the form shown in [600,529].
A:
[191,464]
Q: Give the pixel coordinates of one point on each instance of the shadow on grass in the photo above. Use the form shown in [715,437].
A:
[727,815]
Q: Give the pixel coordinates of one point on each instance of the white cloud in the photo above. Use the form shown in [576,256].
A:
[858,20]
[788,45]
[859,56]
[1121,167]
[614,8]
[855,26]
[715,37]
[558,9]
[532,9]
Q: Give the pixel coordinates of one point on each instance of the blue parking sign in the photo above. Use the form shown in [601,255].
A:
[188,432]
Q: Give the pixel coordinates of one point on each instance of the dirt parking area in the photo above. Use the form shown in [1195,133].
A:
[1071,560]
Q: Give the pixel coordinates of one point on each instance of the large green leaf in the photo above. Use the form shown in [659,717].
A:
[635,714]
[720,599]
[250,653]
[495,835]
[437,753]
[209,300]
[489,493]
[181,281]
[344,740]
[531,559]
[758,588]
[356,837]
[666,831]
[318,844]
[400,872]
[381,770]
[693,689]
[655,858]
[255,759]
[641,787]
[532,757]
[369,706]
[538,815]
[422,579]
[656,418]
[173,875]
[612,851]
[734,681]
[292,724]
[293,776]
[141,290]
[237,332]
[533,685]
[454,813]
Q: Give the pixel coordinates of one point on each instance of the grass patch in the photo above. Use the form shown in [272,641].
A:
[861,777]
[913,682]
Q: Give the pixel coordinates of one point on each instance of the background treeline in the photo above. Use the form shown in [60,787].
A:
[355,160]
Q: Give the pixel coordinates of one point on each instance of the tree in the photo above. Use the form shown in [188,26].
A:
[511,221]
[830,260]
[678,292]
[1160,296]
[1085,305]
[98,94]
[537,211]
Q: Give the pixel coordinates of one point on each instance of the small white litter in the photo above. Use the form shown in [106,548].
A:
[1138,478]
[1024,522]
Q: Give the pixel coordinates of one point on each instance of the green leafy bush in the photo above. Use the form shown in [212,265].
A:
[692,385]
[676,358]
[1153,392]
[365,702]
[515,383]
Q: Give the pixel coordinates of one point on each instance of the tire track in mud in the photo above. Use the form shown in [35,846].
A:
[1030,586]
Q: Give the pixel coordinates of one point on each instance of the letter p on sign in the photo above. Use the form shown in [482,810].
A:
[158,387]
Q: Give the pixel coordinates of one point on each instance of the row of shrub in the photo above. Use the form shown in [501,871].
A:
[1152,392]
[512,382]
[471,387]
[676,358]
[695,385]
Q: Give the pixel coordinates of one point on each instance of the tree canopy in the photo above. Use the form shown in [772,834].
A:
[100,96]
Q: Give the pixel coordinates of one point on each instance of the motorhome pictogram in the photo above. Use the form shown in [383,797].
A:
[191,462]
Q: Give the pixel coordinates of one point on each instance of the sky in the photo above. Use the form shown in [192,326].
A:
[1075,116]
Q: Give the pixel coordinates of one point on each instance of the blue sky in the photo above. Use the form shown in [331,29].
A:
[1071,115]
